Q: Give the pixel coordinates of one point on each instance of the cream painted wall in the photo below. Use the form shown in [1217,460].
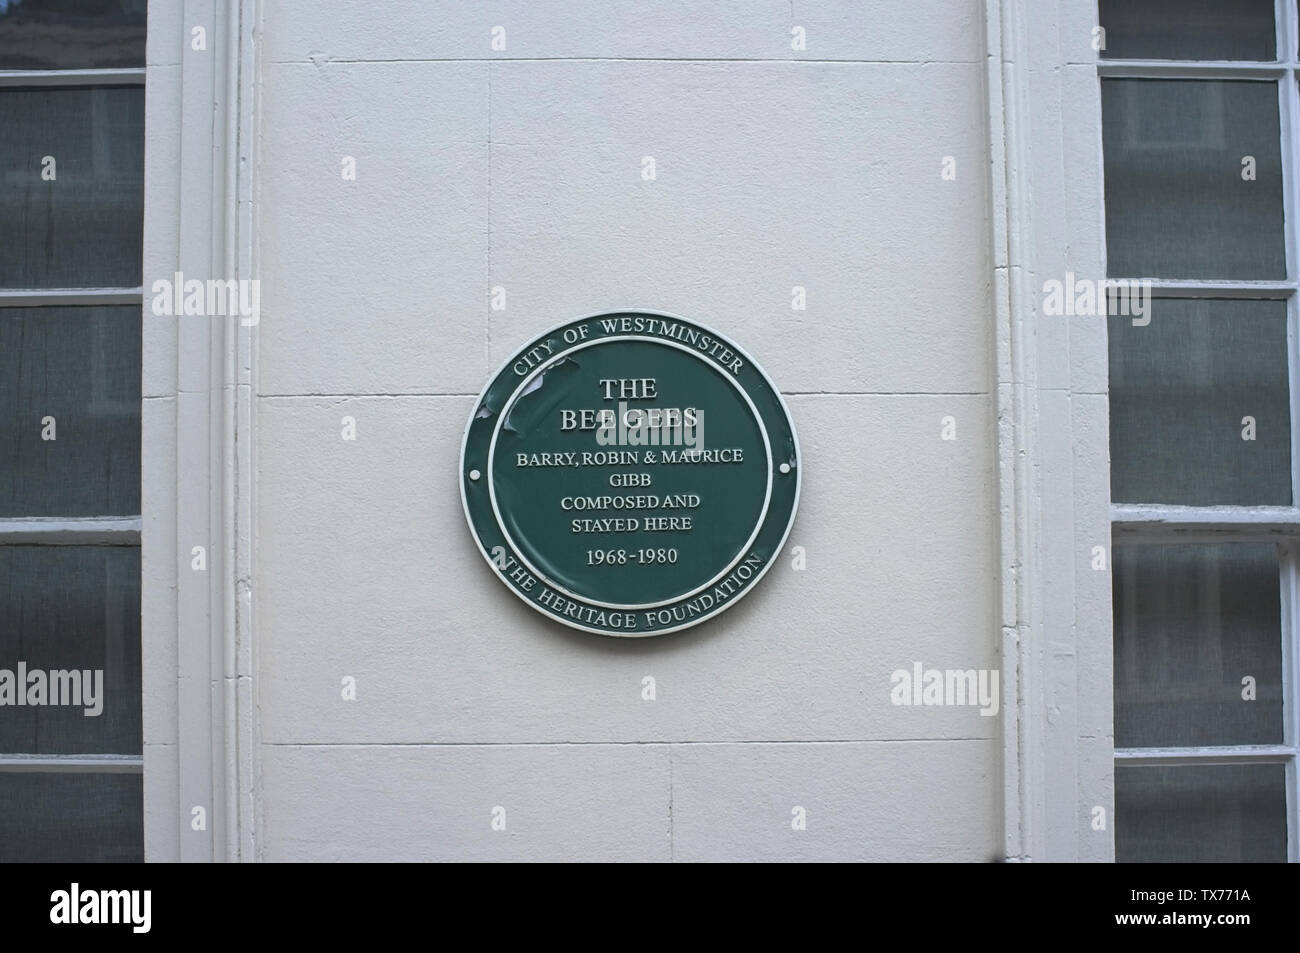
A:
[522,169]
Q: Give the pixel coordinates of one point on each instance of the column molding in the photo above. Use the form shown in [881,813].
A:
[1046,202]
[197,447]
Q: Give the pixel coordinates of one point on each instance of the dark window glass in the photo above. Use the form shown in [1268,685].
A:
[80,367]
[71,216]
[1181,390]
[1193,179]
[71,818]
[72,34]
[64,608]
[72,201]
[1193,623]
[1188,29]
[1201,814]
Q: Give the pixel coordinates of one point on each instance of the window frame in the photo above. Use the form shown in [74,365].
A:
[115,530]
[1135,524]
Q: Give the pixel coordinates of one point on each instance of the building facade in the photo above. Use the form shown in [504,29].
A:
[901,210]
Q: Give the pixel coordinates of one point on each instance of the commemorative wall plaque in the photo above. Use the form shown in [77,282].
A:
[630,474]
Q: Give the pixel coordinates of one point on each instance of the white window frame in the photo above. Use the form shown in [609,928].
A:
[1138,524]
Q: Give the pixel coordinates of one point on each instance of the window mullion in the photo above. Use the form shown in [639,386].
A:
[1194,288]
[1284,15]
[1165,520]
[62,297]
[127,76]
[72,763]
[1191,69]
[1206,755]
[1289,565]
[1289,104]
[71,531]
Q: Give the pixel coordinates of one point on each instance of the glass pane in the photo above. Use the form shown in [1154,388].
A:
[72,34]
[1193,623]
[79,366]
[1200,410]
[1193,179]
[71,818]
[72,163]
[66,608]
[1200,814]
[1188,29]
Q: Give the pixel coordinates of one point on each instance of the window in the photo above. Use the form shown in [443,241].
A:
[1201,126]
[72,166]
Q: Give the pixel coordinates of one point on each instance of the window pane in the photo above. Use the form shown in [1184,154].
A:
[1191,622]
[1188,29]
[71,818]
[1177,204]
[72,163]
[81,367]
[65,608]
[1181,389]
[71,34]
[1201,814]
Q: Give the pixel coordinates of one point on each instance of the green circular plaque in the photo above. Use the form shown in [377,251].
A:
[630,474]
